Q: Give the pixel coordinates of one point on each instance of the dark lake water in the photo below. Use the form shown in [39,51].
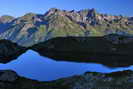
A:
[32,65]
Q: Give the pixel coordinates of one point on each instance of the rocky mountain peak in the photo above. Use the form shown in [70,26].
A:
[51,11]
[27,18]
[6,19]
[29,14]
[33,28]
[92,13]
[54,9]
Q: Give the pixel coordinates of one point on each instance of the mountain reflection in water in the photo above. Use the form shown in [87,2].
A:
[32,65]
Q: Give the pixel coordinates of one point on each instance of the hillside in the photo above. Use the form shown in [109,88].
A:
[9,51]
[33,28]
[112,50]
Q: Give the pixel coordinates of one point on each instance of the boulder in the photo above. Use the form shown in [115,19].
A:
[8,76]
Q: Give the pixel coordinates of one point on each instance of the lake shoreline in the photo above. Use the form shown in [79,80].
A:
[119,80]
[81,49]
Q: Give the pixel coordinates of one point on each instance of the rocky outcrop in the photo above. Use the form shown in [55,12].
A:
[90,80]
[116,80]
[34,28]
[9,51]
[10,80]
[119,38]
[8,76]
[110,50]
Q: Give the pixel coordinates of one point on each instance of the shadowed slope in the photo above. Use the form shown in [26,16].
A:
[9,51]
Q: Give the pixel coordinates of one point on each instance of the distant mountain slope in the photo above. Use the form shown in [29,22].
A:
[5,22]
[33,28]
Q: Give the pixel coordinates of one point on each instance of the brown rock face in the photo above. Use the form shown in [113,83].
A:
[6,19]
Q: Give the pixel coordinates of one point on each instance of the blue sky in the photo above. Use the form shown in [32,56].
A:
[20,7]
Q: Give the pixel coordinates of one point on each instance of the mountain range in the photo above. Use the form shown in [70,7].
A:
[34,28]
